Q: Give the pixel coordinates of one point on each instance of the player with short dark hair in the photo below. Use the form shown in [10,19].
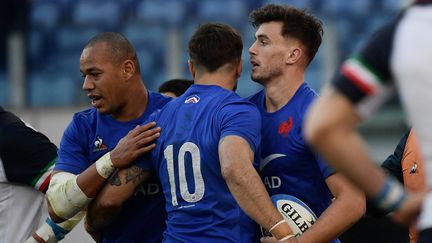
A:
[287,39]
[92,147]
[175,87]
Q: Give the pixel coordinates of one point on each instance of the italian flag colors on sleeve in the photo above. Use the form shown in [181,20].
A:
[363,76]
[41,181]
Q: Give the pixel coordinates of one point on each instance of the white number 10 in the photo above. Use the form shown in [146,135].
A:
[193,149]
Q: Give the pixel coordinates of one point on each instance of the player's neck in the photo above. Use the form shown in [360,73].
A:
[280,90]
[135,105]
[223,80]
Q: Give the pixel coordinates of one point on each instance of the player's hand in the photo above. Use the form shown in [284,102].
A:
[268,239]
[137,142]
[410,209]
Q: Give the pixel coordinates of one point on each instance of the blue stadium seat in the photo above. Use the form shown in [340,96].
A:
[35,46]
[4,89]
[73,38]
[168,12]
[233,12]
[308,4]
[44,15]
[48,89]
[103,14]
[352,8]
[146,60]
[147,36]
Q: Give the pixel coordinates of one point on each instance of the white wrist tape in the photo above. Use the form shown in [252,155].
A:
[66,198]
[45,232]
[276,225]
[286,238]
[104,166]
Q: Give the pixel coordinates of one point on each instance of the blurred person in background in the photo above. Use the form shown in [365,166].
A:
[407,166]
[92,148]
[27,158]
[398,56]
[286,40]
[175,87]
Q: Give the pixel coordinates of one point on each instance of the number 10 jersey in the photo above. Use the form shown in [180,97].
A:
[199,204]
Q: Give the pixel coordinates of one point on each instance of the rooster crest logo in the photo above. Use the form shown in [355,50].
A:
[99,145]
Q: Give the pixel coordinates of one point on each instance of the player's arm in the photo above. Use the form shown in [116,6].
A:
[332,132]
[331,129]
[67,195]
[52,232]
[236,158]
[108,203]
[347,207]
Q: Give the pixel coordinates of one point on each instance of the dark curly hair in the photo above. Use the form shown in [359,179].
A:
[214,45]
[297,23]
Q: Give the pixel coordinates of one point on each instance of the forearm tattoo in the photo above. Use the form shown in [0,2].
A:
[134,174]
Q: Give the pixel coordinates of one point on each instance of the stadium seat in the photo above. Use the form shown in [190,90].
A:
[169,12]
[232,12]
[47,89]
[149,36]
[44,15]
[4,89]
[353,8]
[73,38]
[103,14]
[308,4]
[146,60]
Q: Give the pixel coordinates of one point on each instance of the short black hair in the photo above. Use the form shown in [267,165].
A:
[214,44]
[121,48]
[176,86]
[297,23]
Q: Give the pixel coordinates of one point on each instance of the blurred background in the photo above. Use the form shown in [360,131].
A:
[41,41]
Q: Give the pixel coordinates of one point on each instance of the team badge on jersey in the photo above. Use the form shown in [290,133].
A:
[99,145]
[285,127]
[192,99]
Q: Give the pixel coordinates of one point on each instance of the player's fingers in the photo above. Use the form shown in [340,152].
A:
[148,133]
[146,149]
[145,140]
[268,239]
[140,129]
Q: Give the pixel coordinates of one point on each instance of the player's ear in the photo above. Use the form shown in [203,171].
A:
[239,68]
[191,68]
[128,69]
[293,56]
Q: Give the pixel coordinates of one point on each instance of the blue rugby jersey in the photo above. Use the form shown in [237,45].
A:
[89,136]
[286,163]
[199,204]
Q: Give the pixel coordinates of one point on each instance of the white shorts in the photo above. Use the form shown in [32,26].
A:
[22,210]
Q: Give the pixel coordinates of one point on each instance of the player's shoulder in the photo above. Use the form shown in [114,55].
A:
[158,99]
[257,98]
[85,115]
[237,104]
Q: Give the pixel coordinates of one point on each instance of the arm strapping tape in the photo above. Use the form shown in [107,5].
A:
[65,196]
[104,166]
